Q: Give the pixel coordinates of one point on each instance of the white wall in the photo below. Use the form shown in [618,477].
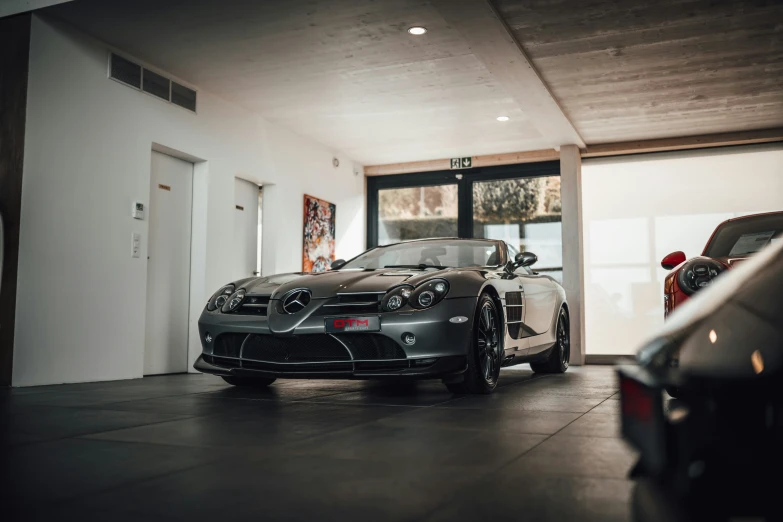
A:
[81,298]
[283,203]
[638,209]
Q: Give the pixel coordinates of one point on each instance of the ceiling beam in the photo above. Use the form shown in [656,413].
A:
[684,143]
[592,151]
[492,43]
[490,160]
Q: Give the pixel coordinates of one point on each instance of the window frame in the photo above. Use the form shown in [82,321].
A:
[450,177]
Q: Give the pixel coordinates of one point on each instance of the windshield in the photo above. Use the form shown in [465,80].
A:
[745,236]
[440,253]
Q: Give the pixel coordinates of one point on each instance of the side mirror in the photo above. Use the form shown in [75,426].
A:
[673,259]
[525,259]
[338,264]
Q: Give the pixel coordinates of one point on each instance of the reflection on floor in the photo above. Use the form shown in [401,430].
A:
[189,447]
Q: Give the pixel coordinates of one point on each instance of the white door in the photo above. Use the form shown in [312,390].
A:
[245,228]
[168,266]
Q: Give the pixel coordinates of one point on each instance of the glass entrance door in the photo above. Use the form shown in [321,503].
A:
[519,204]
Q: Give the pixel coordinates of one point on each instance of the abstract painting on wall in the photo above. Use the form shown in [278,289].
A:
[319,233]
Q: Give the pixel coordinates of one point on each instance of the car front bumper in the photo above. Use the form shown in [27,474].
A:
[440,348]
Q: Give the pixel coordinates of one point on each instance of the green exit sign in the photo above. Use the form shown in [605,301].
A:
[461,163]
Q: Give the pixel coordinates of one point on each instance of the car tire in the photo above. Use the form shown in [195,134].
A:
[486,352]
[250,382]
[560,355]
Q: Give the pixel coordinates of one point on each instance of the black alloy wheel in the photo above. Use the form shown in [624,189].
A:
[486,354]
[560,354]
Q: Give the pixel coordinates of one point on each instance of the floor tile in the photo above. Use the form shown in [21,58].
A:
[594,425]
[490,419]
[265,426]
[292,489]
[49,423]
[563,455]
[67,468]
[526,402]
[540,499]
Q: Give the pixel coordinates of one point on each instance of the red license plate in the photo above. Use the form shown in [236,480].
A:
[353,324]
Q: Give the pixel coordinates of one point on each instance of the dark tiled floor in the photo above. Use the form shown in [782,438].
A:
[191,447]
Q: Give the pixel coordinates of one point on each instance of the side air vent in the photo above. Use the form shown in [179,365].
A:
[514,308]
[134,75]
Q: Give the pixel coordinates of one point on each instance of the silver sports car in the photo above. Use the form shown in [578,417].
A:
[455,309]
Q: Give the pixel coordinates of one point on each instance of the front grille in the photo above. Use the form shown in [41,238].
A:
[353,304]
[310,348]
[312,353]
[372,347]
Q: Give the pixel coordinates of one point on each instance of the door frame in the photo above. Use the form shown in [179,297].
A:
[463,178]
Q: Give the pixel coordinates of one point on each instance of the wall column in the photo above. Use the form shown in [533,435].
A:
[14,61]
[573,245]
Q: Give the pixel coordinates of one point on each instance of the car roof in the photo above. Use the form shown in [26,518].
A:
[749,216]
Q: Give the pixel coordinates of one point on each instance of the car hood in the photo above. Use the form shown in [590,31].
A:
[327,284]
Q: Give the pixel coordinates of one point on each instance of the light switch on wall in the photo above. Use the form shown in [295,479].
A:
[136,245]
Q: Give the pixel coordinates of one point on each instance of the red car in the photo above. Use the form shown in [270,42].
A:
[732,242]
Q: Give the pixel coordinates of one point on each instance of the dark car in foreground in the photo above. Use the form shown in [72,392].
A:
[455,309]
[715,453]
[732,242]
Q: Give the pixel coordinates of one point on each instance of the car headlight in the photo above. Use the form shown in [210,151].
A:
[429,294]
[234,301]
[698,273]
[396,298]
[220,298]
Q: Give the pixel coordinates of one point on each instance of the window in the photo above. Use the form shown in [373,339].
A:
[525,213]
[519,204]
[416,213]
[637,209]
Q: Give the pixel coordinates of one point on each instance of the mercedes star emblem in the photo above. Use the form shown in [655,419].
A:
[296,300]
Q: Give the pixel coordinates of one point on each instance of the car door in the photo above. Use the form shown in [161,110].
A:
[540,295]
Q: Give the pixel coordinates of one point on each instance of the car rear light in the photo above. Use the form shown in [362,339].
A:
[642,421]
[636,400]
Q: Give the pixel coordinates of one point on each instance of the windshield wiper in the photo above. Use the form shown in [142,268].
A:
[420,266]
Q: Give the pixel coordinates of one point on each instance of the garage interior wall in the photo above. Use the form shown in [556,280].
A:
[637,209]
[81,298]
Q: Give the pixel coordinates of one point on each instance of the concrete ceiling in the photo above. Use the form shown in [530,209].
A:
[627,70]
[347,74]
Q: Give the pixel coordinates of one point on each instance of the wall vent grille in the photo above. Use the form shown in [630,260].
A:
[125,71]
[136,76]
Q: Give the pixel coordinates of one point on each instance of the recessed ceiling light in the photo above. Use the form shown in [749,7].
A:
[502,118]
[417,30]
